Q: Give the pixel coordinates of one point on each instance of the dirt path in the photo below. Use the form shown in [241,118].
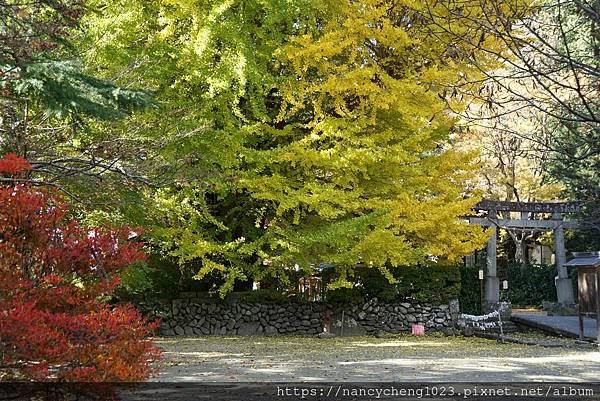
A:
[398,359]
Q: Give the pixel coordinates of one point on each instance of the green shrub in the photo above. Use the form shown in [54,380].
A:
[526,287]
[160,278]
[263,296]
[470,290]
[430,284]
[427,284]
[135,281]
[531,285]
[154,278]
[344,296]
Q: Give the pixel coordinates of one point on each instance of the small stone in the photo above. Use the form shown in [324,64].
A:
[271,331]
[449,331]
[248,329]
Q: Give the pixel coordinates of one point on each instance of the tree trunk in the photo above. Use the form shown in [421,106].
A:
[519,239]
[521,253]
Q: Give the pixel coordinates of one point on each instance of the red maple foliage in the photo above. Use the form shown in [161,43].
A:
[13,164]
[55,279]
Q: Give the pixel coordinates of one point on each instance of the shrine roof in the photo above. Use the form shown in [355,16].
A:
[585,259]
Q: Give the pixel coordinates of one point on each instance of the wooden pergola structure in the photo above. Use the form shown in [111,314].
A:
[533,216]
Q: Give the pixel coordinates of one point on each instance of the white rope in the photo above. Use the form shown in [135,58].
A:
[479,318]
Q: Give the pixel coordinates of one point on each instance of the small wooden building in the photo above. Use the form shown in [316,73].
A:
[588,284]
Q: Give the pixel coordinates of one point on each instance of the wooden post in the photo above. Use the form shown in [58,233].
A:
[327,321]
[597,307]
[581,333]
[481,295]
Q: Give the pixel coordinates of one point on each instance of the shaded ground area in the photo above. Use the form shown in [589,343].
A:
[398,358]
[565,325]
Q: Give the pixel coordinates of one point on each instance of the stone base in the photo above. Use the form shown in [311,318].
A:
[558,309]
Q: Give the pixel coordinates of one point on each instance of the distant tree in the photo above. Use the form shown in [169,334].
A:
[30,29]
[55,280]
[512,169]
[551,73]
[49,105]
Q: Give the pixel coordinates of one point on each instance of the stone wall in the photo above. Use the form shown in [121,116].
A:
[204,316]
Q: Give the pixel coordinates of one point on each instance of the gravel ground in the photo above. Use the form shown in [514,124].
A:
[395,358]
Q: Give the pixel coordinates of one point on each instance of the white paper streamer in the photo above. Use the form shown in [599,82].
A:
[480,317]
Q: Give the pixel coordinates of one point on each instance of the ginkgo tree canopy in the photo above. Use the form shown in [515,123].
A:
[304,131]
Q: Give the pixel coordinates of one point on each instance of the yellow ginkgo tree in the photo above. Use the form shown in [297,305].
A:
[310,131]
